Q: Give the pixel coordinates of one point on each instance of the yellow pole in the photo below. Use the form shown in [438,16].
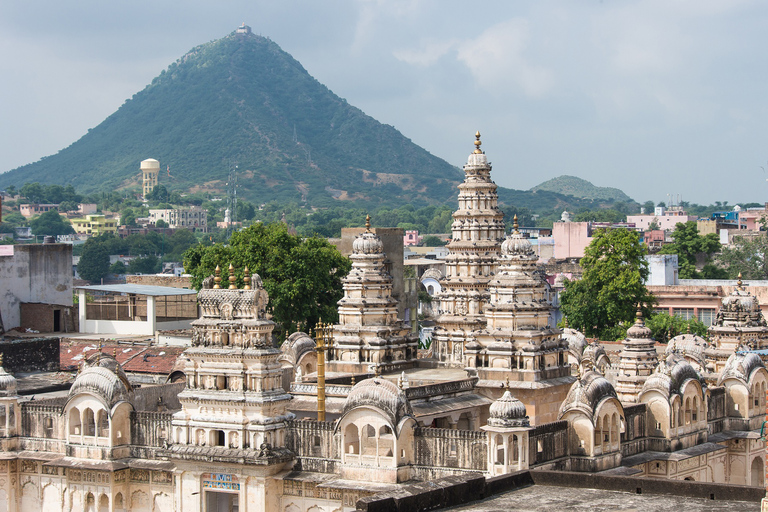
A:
[320,340]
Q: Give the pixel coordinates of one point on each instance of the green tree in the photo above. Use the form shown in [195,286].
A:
[301,275]
[687,245]
[747,256]
[432,241]
[664,326]
[94,262]
[52,224]
[118,267]
[68,206]
[161,224]
[612,285]
[608,215]
[159,194]
[146,265]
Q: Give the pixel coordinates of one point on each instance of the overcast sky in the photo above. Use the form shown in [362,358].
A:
[653,97]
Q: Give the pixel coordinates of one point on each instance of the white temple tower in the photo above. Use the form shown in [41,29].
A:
[478,230]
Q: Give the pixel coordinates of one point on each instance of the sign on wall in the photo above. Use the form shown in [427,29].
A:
[220,481]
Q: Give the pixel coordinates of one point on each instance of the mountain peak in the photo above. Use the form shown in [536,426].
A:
[581,188]
[241,100]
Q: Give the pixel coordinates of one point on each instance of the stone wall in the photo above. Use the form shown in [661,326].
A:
[146,398]
[716,410]
[30,354]
[151,428]
[161,280]
[633,440]
[314,444]
[449,448]
[548,442]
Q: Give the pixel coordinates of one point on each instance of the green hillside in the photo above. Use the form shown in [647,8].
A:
[582,189]
[243,101]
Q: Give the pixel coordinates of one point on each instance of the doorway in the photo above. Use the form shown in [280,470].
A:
[221,502]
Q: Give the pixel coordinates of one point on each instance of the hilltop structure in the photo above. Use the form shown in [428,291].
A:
[150,170]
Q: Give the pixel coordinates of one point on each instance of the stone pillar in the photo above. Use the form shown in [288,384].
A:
[81,309]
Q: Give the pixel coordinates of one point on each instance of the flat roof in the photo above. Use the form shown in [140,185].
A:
[138,289]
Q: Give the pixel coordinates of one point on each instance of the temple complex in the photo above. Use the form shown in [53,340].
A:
[349,417]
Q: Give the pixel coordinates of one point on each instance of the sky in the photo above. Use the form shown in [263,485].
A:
[661,98]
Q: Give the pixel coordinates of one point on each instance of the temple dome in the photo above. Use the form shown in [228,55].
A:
[103,377]
[689,345]
[576,341]
[382,395]
[367,243]
[587,393]
[670,375]
[516,245]
[296,346]
[639,331]
[741,365]
[508,411]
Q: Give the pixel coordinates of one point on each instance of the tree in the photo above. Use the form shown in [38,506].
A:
[68,206]
[52,224]
[118,267]
[301,275]
[687,245]
[146,265]
[612,285]
[94,262]
[432,241]
[159,194]
[160,223]
[610,215]
[654,225]
[664,326]
[747,256]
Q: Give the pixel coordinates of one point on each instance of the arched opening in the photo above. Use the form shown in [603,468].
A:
[386,442]
[218,438]
[104,503]
[90,502]
[368,440]
[89,423]
[74,422]
[103,424]
[499,442]
[690,478]
[351,440]
[48,427]
[758,476]
[119,506]
[515,453]
[688,411]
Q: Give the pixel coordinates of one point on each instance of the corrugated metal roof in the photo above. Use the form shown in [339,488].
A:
[138,289]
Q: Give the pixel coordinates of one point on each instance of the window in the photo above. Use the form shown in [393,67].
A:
[707,316]
[684,313]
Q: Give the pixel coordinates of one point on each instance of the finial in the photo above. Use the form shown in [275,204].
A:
[353,380]
[247,278]
[114,353]
[232,277]
[688,328]
[478,143]
[515,226]
[639,314]
[738,283]
[368,223]
[506,384]
[1,359]
[565,322]
[217,279]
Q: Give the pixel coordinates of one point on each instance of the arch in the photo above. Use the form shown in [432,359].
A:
[162,502]
[119,505]
[139,502]
[90,502]
[368,440]
[386,441]
[690,478]
[30,497]
[499,449]
[102,424]
[89,422]
[217,438]
[48,427]
[103,503]
[75,428]
[51,498]
[515,452]
[351,440]
[756,471]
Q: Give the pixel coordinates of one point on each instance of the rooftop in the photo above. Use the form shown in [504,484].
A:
[138,289]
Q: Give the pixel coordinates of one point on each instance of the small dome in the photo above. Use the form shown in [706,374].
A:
[367,243]
[576,342]
[432,273]
[380,394]
[104,377]
[639,331]
[741,365]
[516,245]
[595,352]
[689,346]
[670,375]
[296,346]
[587,393]
[508,411]
[7,383]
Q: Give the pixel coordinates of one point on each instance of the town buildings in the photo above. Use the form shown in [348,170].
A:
[353,410]
[193,218]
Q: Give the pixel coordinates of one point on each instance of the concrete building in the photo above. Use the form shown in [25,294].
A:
[94,225]
[36,274]
[193,218]
[34,209]
[665,218]
[412,238]
[571,238]
[662,269]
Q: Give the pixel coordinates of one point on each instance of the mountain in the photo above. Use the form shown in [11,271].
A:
[242,100]
[583,189]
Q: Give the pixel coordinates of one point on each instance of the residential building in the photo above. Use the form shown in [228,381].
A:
[94,225]
[412,237]
[193,218]
[33,209]
[665,218]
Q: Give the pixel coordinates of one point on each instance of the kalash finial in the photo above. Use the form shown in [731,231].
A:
[639,313]
[1,359]
[232,277]
[739,283]
[478,143]
[217,279]
[368,223]
[247,278]
[515,225]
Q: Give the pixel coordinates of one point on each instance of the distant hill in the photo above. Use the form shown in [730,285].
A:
[582,189]
[242,100]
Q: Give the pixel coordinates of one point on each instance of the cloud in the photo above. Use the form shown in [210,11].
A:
[497,60]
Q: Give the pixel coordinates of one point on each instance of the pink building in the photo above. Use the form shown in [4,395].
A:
[665,218]
[571,238]
[86,208]
[412,238]
[752,218]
